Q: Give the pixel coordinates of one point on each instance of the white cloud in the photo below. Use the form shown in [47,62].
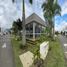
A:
[61,26]
[61,22]
[64,8]
[34,8]
[9,12]
[28,10]
[65,27]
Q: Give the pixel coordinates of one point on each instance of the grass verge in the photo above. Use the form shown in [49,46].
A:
[55,57]
[17,52]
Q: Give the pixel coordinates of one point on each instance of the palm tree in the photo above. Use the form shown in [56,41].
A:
[24,30]
[51,9]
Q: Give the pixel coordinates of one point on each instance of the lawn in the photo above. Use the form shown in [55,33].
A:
[17,52]
[55,57]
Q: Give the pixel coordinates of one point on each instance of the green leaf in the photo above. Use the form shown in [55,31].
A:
[30,1]
[13,1]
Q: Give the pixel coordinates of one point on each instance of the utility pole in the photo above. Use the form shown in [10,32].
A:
[24,30]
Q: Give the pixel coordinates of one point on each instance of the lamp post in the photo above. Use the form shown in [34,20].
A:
[24,30]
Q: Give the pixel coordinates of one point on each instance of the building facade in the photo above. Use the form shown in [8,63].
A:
[34,26]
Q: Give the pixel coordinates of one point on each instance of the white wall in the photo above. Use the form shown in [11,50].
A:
[44,47]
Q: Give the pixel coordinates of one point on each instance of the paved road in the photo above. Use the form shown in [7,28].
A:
[6,52]
[63,41]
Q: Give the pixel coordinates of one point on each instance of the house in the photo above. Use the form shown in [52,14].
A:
[34,26]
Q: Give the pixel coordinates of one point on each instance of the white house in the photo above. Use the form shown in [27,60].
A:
[34,26]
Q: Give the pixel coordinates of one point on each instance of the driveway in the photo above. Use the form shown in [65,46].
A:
[6,52]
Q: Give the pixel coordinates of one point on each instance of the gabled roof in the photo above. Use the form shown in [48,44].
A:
[34,17]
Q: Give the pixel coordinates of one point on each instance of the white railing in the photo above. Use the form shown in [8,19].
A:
[34,33]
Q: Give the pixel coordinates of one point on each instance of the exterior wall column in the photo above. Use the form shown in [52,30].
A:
[40,30]
[34,30]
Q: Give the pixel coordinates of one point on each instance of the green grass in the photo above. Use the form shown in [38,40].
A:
[55,57]
[17,52]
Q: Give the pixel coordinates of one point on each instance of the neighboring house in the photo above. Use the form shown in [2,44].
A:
[34,26]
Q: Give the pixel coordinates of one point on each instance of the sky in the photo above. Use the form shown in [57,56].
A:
[11,11]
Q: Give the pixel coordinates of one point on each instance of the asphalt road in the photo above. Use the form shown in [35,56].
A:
[6,52]
[63,41]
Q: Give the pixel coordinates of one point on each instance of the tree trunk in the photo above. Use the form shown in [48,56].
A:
[53,30]
[24,30]
[50,31]
[53,34]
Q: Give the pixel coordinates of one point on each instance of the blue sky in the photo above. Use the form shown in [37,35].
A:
[10,12]
[61,21]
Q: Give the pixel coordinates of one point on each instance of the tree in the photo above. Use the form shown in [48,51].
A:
[24,30]
[17,26]
[51,9]
[56,32]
